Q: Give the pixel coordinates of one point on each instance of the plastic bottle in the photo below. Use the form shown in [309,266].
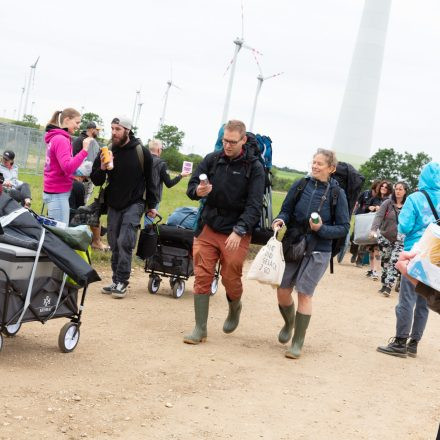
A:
[203,179]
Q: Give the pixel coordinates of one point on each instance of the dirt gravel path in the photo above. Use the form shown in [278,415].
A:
[131,377]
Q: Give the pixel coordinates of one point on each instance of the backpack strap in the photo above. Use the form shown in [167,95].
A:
[140,154]
[333,203]
[431,205]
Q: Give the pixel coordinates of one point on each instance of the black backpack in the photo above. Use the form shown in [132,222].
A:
[351,181]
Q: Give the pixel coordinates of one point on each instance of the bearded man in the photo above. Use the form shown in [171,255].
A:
[129,179]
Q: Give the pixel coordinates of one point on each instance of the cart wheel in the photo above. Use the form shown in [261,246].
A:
[1,342]
[69,337]
[172,282]
[214,286]
[178,288]
[12,329]
[153,284]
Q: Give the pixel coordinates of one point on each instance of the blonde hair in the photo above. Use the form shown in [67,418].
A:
[59,116]
[155,143]
[236,125]
[330,157]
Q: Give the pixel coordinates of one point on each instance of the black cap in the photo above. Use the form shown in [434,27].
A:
[91,125]
[9,155]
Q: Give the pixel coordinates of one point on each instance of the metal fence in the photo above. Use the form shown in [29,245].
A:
[27,144]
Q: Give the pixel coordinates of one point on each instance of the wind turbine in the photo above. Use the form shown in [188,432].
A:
[260,79]
[239,44]
[21,99]
[138,114]
[30,80]
[167,91]
[136,102]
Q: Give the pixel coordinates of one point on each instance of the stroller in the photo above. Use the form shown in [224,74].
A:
[40,276]
[167,251]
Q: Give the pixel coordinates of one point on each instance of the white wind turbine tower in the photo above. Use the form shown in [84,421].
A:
[260,79]
[135,106]
[165,101]
[354,130]
[138,114]
[31,80]
[239,43]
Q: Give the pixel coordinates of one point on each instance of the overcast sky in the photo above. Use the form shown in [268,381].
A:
[97,54]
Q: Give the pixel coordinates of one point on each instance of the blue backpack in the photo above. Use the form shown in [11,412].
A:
[265,146]
[183,217]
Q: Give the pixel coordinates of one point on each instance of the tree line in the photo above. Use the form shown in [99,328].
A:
[385,164]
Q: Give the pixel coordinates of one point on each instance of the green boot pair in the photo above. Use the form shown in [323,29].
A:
[201,309]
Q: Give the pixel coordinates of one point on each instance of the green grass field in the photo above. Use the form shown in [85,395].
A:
[288,175]
[172,198]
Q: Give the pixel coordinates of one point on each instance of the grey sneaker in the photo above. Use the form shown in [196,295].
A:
[108,289]
[120,290]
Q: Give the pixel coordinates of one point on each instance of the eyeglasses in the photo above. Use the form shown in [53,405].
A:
[226,141]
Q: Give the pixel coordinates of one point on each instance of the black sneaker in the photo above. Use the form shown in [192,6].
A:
[412,348]
[387,291]
[108,289]
[369,273]
[353,259]
[120,291]
[396,347]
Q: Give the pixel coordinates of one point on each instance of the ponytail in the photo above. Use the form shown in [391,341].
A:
[59,116]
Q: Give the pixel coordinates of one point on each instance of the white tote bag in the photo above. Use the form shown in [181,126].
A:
[268,266]
[362,229]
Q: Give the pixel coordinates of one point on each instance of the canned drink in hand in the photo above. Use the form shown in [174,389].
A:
[315,217]
[106,159]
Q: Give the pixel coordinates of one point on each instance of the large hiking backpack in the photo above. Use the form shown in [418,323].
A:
[265,147]
[351,181]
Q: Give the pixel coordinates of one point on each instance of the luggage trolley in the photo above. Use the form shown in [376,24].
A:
[32,288]
[169,256]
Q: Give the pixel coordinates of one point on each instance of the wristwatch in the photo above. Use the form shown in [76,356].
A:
[239,230]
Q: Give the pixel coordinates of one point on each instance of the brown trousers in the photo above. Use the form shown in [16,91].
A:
[208,248]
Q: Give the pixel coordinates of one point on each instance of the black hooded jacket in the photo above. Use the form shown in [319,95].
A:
[127,183]
[237,192]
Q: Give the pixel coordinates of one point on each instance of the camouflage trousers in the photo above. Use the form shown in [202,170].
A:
[389,253]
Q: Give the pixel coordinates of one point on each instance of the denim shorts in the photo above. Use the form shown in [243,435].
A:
[306,277]
[58,206]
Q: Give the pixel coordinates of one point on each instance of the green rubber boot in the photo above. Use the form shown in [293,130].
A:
[301,324]
[233,317]
[201,309]
[288,314]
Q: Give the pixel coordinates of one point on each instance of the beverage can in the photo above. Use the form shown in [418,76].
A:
[106,160]
[315,217]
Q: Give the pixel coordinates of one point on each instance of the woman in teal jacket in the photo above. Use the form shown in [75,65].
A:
[414,218]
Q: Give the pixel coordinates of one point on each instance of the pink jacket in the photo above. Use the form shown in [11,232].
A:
[60,165]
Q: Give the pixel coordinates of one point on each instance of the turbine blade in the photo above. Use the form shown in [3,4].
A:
[258,64]
[273,76]
[242,21]
[229,66]
[252,49]
[177,87]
